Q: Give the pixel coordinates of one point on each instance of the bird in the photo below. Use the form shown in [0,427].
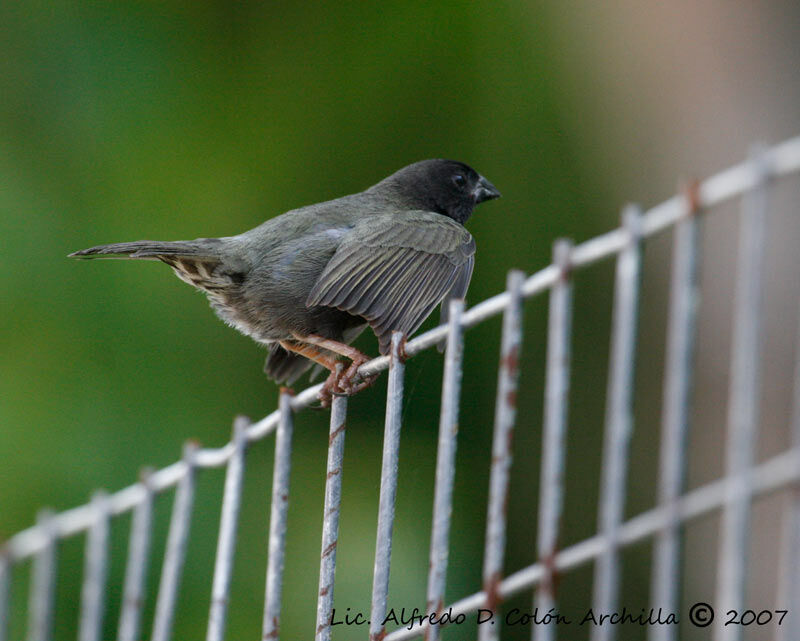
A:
[307,282]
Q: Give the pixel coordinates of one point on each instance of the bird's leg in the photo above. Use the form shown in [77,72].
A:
[358,358]
[331,345]
[310,352]
[331,385]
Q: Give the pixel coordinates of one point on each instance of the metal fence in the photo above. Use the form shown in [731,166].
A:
[733,494]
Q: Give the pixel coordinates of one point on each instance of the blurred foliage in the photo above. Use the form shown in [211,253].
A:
[129,120]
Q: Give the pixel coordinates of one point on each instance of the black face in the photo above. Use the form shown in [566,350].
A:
[444,186]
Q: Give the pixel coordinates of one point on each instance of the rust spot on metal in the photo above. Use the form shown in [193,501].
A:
[438,608]
[402,356]
[492,588]
[511,398]
[324,591]
[378,636]
[551,576]
[562,255]
[328,550]
[691,193]
[284,497]
[287,390]
[511,360]
[320,628]
[332,473]
[336,433]
[273,634]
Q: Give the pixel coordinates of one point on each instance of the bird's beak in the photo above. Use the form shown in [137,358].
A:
[484,190]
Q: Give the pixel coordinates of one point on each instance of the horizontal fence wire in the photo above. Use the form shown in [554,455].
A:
[733,494]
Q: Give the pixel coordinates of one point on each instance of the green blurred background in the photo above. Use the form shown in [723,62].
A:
[130,120]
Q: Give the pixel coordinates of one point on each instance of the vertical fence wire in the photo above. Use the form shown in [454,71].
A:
[229,518]
[675,413]
[743,403]
[619,419]
[41,601]
[789,588]
[95,571]
[556,404]
[388,491]
[445,466]
[279,510]
[133,594]
[5,594]
[504,417]
[330,524]
[177,540]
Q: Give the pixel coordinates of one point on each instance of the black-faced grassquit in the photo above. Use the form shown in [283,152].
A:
[307,282]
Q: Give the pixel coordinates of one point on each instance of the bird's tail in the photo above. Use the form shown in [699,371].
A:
[152,249]
[197,262]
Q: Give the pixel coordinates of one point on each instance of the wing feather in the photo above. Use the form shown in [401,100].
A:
[458,290]
[392,270]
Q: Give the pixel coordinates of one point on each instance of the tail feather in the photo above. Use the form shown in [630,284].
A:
[285,367]
[197,262]
[146,249]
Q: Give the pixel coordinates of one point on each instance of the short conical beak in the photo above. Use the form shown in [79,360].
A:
[485,191]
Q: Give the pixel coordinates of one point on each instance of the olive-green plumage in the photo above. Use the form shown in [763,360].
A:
[383,258]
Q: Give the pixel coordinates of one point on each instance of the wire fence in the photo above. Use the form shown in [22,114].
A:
[733,494]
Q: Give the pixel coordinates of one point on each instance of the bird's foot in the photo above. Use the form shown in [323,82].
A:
[329,388]
[351,381]
[345,382]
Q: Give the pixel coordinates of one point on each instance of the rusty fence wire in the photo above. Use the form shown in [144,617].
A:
[732,495]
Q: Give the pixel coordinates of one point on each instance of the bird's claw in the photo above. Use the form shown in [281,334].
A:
[345,383]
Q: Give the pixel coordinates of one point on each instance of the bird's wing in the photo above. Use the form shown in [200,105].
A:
[458,290]
[393,269]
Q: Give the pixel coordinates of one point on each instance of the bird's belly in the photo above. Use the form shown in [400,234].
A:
[262,331]
[271,320]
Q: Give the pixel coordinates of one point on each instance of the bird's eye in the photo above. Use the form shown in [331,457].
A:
[459,180]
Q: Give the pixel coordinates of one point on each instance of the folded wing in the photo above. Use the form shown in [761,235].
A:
[394,269]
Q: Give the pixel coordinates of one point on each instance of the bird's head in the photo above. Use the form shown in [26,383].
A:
[447,187]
